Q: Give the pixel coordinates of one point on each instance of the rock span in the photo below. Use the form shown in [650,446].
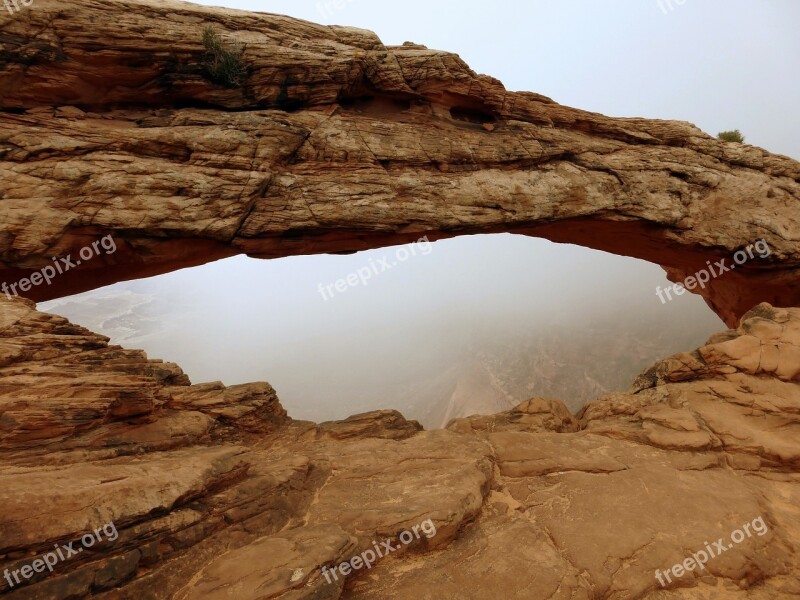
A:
[337,143]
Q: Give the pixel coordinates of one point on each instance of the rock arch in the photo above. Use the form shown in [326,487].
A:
[338,143]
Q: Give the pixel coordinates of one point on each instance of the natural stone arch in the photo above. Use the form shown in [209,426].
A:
[337,143]
[215,489]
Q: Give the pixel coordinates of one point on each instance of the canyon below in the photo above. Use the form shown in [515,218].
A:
[560,464]
[431,372]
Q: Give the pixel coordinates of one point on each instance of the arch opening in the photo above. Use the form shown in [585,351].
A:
[437,331]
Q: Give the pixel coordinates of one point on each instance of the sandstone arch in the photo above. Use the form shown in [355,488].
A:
[338,143]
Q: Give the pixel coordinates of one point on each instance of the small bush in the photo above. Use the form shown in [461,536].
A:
[731,136]
[224,63]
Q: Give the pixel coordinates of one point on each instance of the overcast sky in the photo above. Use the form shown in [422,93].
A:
[721,64]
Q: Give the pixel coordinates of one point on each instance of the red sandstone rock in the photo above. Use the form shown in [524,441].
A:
[338,143]
[216,494]
[335,143]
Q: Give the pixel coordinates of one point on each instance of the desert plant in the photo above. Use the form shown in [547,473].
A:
[224,63]
[731,136]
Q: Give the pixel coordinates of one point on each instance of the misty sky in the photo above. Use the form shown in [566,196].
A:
[242,320]
[720,64]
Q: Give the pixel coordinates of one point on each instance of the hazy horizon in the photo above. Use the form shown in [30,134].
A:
[719,64]
[243,320]
[240,320]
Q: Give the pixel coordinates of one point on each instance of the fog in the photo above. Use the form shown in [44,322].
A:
[241,320]
[720,64]
[583,321]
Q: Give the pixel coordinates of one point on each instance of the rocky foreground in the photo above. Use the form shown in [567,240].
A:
[216,493]
[121,480]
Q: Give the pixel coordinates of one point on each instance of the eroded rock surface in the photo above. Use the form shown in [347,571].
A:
[216,493]
[336,143]
[109,125]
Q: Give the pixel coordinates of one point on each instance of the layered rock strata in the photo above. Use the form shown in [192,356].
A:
[216,493]
[110,124]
